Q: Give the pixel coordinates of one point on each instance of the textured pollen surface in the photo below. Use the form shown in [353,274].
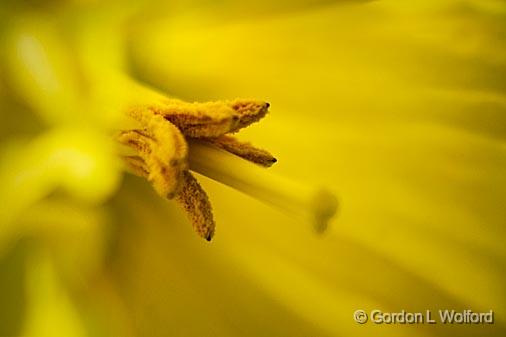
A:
[158,150]
[244,150]
[211,119]
[195,202]
[163,150]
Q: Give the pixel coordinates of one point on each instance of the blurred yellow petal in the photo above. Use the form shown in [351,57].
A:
[82,162]
[50,311]
[40,70]
[397,112]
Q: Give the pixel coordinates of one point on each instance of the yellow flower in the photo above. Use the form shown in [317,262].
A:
[398,106]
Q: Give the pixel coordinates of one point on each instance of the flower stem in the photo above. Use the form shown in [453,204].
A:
[317,205]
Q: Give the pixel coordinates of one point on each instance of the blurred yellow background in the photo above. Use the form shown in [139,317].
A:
[397,106]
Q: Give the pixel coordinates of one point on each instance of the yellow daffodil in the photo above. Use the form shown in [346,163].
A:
[396,106]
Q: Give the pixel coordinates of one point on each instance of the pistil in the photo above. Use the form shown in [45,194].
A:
[317,205]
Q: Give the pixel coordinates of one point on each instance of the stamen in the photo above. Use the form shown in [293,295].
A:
[195,202]
[243,150]
[162,149]
[317,205]
[211,119]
